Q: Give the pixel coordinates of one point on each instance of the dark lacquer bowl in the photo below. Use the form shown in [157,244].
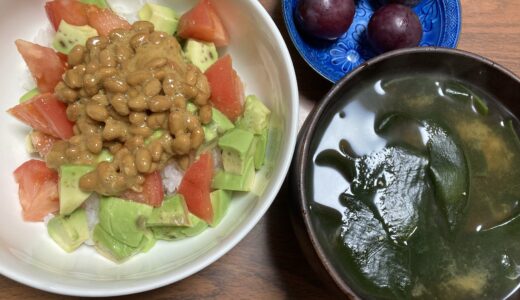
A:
[491,78]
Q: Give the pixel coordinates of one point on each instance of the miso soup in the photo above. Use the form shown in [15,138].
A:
[416,190]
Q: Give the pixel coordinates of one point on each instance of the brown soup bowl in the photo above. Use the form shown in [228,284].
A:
[493,79]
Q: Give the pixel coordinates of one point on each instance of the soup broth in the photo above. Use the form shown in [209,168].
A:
[416,188]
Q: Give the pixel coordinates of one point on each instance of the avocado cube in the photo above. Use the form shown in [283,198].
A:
[29,95]
[110,247]
[222,122]
[220,200]
[219,125]
[197,226]
[29,147]
[256,116]
[210,132]
[237,146]
[154,137]
[69,232]
[173,212]
[163,18]
[201,54]
[124,220]
[148,241]
[98,3]
[261,148]
[191,108]
[169,233]
[233,182]
[105,155]
[71,196]
[206,147]
[69,36]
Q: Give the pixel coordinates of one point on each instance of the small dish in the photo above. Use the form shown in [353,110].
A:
[440,19]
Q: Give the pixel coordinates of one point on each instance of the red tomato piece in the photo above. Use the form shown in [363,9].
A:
[196,187]
[104,20]
[227,91]
[45,113]
[37,190]
[203,23]
[42,142]
[44,63]
[70,11]
[64,59]
[152,194]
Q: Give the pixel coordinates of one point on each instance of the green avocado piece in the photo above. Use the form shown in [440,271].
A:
[71,196]
[110,247]
[163,18]
[220,200]
[105,155]
[237,145]
[98,3]
[124,220]
[69,36]
[210,132]
[169,233]
[201,54]
[69,232]
[191,108]
[233,182]
[173,212]
[29,95]
[256,116]
[148,241]
[261,147]
[197,226]
[219,125]
[29,147]
[154,137]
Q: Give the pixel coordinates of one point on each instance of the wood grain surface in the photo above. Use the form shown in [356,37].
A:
[268,263]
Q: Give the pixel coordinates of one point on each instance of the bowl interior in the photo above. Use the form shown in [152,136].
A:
[493,80]
[28,255]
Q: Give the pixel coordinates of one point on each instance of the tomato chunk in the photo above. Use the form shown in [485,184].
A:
[37,190]
[42,142]
[196,186]
[227,91]
[153,192]
[104,20]
[70,11]
[203,23]
[45,113]
[44,63]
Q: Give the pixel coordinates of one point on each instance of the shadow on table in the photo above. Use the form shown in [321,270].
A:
[294,274]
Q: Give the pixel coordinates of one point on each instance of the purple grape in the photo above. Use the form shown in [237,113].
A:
[394,26]
[325,19]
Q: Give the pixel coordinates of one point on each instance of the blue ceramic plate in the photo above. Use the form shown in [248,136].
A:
[440,20]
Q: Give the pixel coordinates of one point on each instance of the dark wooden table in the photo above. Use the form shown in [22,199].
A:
[268,263]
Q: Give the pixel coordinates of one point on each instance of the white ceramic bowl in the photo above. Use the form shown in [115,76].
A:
[29,256]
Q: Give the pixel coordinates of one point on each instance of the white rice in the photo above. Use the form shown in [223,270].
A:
[91,206]
[171,177]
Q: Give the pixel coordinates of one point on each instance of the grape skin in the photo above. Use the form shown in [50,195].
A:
[394,26]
